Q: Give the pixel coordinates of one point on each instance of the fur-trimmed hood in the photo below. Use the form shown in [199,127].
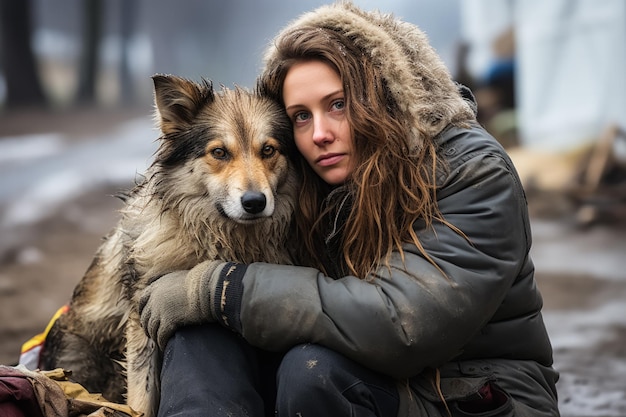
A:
[416,76]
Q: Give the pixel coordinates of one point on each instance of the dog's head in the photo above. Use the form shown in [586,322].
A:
[225,152]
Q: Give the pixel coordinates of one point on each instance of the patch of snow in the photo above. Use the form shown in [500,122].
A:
[29,255]
[15,149]
[558,247]
[32,186]
[584,328]
[591,397]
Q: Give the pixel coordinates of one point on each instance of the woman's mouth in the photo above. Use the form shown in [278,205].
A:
[329,159]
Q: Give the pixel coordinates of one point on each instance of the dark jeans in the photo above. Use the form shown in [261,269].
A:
[211,371]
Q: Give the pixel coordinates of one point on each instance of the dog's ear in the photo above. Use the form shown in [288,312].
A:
[178,101]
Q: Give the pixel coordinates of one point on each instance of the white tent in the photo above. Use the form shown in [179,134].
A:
[570,65]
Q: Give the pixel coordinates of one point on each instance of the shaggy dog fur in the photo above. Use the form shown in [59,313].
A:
[221,186]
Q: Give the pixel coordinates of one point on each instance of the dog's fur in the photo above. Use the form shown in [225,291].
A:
[221,186]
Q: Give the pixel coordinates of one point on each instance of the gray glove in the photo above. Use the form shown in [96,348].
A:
[179,299]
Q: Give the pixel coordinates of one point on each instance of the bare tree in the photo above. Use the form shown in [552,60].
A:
[16,54]
[128,20]
[92,29]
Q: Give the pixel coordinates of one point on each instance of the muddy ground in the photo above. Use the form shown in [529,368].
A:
[581,272]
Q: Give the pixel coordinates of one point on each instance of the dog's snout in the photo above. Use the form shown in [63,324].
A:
[253,202]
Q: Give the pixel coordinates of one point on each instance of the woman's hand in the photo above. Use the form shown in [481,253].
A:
[179,299]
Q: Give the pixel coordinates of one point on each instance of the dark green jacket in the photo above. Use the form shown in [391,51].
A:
[482,320]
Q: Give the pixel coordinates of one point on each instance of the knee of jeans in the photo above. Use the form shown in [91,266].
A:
[306,366]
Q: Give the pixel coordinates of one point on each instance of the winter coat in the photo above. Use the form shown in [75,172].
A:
[478,321]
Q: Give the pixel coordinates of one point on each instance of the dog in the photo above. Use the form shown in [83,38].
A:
[221,186]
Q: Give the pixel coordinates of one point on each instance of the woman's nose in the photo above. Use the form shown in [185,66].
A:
[322,133]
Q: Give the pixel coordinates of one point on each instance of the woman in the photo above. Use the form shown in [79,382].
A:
[419,298]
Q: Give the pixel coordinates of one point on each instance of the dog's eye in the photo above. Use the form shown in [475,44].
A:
[268,150]
[219,153]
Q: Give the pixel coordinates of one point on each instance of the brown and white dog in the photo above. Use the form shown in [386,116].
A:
[221,186]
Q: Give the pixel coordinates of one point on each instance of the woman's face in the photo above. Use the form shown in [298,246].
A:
[315,102]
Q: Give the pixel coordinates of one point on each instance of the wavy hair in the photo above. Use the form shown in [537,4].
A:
[393,183]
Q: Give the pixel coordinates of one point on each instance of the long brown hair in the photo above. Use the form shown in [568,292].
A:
[393,183]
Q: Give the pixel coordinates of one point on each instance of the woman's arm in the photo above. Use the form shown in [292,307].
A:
[411,316]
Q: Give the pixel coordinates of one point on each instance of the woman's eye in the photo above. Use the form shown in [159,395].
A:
[301,117]
[219,153]
[338,105]
[268,150]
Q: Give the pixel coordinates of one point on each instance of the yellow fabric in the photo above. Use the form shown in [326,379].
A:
[41,337]
[80,395]
[58,397]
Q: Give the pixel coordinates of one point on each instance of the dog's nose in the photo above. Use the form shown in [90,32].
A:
[253,202]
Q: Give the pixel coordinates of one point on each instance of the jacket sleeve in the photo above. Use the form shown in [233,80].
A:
[409,316]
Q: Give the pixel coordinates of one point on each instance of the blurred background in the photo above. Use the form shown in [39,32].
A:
[76,127]
[104,51]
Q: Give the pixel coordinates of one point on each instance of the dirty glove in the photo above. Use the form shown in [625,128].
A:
[179,299]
